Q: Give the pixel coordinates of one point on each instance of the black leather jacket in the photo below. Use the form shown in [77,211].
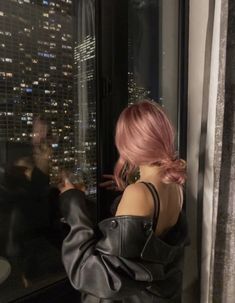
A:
[122,260]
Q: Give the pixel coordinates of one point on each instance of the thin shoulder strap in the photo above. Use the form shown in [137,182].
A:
[156,201]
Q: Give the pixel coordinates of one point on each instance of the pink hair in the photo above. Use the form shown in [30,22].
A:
[145,136]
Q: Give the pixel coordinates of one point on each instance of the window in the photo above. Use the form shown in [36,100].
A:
[142,57]
[153,45]
[43,94]
[53,117]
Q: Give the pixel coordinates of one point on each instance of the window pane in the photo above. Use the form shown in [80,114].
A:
[47,124]
[153,52]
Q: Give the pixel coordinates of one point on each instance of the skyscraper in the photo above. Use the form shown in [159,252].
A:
[85,87]
[36,74]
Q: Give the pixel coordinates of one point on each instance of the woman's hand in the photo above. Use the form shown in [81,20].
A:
[110,184]
[65,183]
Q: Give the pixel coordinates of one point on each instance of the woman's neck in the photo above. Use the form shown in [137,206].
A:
[148,172]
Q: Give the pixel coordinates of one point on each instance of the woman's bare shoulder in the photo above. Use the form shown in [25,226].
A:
[135,201]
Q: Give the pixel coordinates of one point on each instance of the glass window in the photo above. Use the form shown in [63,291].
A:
[48,114]
[153,45]
[47,124]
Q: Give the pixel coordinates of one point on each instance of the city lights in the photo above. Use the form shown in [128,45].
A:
[52,76]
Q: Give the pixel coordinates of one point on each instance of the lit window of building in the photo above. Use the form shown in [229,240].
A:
[46,55]
[8,60]
[66,46]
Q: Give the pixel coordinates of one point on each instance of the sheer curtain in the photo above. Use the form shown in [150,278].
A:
[211,156]
[211,264]
[222,268]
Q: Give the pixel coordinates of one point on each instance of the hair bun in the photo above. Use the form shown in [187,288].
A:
[174,171]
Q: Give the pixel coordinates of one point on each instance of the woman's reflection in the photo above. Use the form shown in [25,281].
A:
[28,202]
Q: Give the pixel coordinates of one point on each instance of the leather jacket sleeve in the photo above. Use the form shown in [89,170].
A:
[89,270]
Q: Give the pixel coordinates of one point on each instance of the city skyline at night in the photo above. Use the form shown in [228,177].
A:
[40,64]
[47,70]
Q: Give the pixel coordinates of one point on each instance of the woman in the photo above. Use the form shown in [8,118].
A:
[134,256]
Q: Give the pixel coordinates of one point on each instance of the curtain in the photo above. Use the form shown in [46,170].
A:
[222,269]
[211,159]
[213,190]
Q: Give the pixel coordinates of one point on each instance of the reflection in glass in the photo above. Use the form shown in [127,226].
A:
[47,124]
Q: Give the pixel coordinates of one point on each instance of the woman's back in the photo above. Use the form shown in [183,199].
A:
[139,201]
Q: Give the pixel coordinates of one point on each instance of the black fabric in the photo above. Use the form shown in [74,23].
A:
[114,204]
[124,261]
[156,201]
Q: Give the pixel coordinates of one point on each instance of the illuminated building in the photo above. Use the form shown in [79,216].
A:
[36,74]
[135,91]
[85,112]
